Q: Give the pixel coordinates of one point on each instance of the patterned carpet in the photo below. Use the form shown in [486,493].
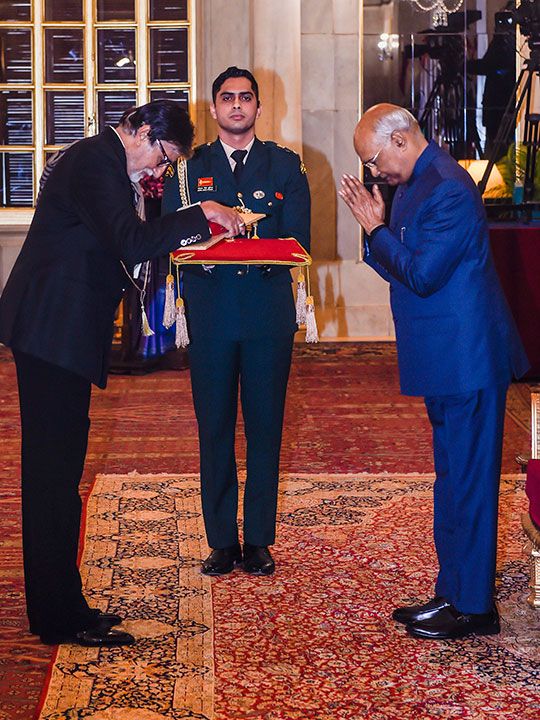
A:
[144,539]
[344,414]
[313,642]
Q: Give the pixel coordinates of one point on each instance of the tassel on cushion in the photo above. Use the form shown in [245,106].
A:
[169,311]
[182,337]
[300,299]
[312,334]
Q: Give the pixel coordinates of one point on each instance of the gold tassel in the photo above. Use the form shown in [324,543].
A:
[146,329]
[312,334]
[182,337]
[169,312]
[300,298]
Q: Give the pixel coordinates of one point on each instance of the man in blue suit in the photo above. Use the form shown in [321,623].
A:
[457,347]
[241,323]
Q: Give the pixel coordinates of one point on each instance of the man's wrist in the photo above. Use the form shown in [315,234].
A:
[375,230]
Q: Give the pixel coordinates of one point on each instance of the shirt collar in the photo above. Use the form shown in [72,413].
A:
[229,150]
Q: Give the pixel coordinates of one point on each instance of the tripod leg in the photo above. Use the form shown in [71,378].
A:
[532,125]
[508,123]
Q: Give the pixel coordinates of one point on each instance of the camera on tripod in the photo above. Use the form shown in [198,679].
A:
[527,16]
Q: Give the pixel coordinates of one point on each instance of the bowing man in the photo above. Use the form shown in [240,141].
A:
[457,347]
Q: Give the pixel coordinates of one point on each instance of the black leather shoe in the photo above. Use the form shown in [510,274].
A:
[414,613]
[94,637]
[97,619]
[257,560]
[449,624]
[103,618]
[222,560]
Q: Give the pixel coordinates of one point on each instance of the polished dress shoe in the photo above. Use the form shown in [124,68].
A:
[98,619]
[92,637]
[104,618]
[222,560]
[257,560]
[449,624]
[413,613]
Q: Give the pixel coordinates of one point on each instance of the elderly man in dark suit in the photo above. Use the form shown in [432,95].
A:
[457,346]
[56,313]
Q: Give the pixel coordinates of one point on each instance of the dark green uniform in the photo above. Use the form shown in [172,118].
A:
[241,322]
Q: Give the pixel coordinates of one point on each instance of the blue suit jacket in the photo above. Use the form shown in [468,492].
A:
[454,330]
[258,303]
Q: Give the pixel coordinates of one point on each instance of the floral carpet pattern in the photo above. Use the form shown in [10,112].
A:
[314,641]
[344,414]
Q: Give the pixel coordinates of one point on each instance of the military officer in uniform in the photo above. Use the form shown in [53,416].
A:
[241,323]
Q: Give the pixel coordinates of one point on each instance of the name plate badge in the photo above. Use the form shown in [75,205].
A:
[205,184]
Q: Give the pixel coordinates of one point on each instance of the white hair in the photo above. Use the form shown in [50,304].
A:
[398,119]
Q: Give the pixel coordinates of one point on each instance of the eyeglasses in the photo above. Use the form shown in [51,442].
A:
[372,162]
[167,162]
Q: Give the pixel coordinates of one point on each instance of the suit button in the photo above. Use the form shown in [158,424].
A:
[240,272]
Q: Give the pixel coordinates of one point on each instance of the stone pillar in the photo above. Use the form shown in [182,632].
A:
[351,300]
[276,63]
[265,38]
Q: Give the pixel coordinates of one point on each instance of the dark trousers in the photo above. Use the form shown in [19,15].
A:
[54,420]
[261,366]
[467,441]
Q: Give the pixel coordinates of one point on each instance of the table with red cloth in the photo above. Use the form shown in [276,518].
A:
[516,251]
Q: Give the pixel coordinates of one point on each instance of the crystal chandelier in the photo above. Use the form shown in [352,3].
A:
[439,9]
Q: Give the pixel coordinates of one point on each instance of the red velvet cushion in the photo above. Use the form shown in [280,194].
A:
[532,488]
[245,251]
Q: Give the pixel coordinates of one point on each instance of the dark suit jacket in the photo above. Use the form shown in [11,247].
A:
[260,304]
[60,299]
[454,330]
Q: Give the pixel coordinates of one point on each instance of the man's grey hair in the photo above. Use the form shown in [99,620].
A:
[398,119]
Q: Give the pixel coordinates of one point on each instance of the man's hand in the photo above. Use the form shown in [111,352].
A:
[223,215]
[367,209]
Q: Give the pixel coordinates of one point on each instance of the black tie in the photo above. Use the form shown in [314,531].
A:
[238,156]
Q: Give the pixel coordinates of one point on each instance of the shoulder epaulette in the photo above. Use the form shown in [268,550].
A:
[287,150]
[200,147]
[277,145]
[283,147]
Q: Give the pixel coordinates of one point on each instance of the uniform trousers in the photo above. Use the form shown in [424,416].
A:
[54,406]
[467,442]
[261,367]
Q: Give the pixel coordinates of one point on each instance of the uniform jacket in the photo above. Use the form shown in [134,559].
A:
[245,301]
[60,299]
[454,330]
